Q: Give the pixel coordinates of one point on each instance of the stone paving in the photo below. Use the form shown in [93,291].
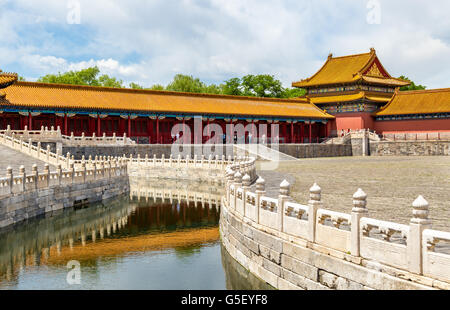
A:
[391,183]
[15,159]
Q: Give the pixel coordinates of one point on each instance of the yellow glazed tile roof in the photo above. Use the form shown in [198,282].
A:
[418,102]
[347,98]
[56,96]
[6,79]
[348,69]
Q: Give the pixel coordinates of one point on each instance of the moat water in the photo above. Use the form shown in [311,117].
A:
[127,243]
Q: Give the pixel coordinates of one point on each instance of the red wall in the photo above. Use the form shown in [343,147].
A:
[351,121]
[405,126]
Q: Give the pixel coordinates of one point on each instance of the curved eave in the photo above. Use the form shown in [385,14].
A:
[27,95]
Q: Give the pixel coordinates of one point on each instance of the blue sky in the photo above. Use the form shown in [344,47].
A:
[148,42]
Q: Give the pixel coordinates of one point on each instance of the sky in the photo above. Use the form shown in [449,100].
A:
[149,41]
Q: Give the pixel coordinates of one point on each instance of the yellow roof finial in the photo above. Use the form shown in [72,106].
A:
[372,50]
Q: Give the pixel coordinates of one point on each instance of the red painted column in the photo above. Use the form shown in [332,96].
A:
[209,129]
[157,131]
[292,133]
[30,122]
[148,131]
[129,127]
[65,124]
[184,131]
[310,132]
[98,126]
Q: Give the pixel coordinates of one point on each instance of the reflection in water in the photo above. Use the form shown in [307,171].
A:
[167,238]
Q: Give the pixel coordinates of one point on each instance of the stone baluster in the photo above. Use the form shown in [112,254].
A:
[35,174]
[38,150]
[188,159]
[170,160]
[47,174]
[68,161]
[30,145]
[72,137]
[114,138]
[315,202]
[146,160]
[84,170]
[72,172]
[9,175]
[47,153]
[179,160]
[202,161]
[260,191]
[21,143]
[359,210]
[418,224]
[23,178]
[59,171]
[195,160]
[284,196]
[237,185]
[246,183]
[230,179]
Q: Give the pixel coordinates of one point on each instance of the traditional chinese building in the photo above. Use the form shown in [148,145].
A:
[351,88]
[149,116]
[422,111]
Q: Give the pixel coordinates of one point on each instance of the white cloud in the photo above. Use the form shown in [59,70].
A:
[150,41]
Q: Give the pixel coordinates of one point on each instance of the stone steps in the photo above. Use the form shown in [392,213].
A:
[15,159]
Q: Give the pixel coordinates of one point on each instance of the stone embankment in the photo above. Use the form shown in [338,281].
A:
[294,246]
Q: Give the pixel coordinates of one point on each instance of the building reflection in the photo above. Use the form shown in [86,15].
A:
[164,215]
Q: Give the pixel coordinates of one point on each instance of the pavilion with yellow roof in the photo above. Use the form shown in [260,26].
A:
[351,88]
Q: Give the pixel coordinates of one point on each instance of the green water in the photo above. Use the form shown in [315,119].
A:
[122,244]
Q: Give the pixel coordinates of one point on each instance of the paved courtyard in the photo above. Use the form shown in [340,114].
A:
[391,183]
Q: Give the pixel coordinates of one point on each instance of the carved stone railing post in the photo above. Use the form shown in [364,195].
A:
[47,153]
[418,224]
[30,145]
[72,172]
[23,178]
[68,161]
[246,182]
[59,171]
[230,179]
[285,191]
[359,210]
[47,174]
[35,174]
[260,191]
[38,149]
[315,197]
[237,185]
[9,175]
[84,170]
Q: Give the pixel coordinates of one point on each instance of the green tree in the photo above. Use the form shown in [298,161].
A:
[293,93]
[263,85]
[87,77]
[157,87]
[187,84]
[107,81]
[133,85]
[232,87]
[413,86]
